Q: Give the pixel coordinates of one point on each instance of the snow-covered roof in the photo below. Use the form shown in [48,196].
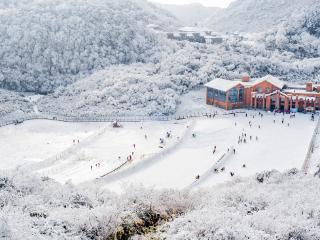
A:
[194,29]
[271,79]
[302,91]
[222,84]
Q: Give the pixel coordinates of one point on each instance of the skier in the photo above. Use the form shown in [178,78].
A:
[134,145]
[250,138]
[231,174]
[91,167]
[244,166]
[234,151]
[198,177]
[145,136]
[256,138]
[222,169]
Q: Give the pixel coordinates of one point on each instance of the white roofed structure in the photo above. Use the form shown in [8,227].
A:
[271,79]
[222,84]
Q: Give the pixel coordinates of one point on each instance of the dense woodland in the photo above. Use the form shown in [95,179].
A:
[45,44]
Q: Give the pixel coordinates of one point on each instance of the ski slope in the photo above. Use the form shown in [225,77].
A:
[47,147]
[279,147]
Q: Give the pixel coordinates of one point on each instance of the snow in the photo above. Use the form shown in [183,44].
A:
[222,84]
[271,79]
[278,147]
[50,150]
[34,141]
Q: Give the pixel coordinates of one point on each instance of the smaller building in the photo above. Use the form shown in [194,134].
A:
[267,93]
[196,34]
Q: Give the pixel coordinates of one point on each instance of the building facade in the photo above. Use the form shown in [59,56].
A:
[268,93]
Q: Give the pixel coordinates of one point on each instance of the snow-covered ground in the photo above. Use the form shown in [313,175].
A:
[49,146]
[279,147]
[35,141]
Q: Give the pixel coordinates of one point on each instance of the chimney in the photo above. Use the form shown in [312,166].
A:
[309,87]
[245,77]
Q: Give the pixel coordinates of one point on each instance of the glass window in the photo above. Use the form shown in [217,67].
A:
[268,90]
[233,95]
[259,90]
[210,93]
[241,94]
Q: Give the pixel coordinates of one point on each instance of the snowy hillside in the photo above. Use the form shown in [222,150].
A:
[190,14]
[256,15]
[271,206]
[300,35]
[44,44]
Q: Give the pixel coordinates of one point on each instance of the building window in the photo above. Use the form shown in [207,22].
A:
[241,95]
[210,93]
[268,90]
[259,90]
[220,95]
[233,95]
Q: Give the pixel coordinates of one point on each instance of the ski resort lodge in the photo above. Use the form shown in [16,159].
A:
[268,93]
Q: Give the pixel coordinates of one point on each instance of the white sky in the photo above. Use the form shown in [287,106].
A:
[211,3]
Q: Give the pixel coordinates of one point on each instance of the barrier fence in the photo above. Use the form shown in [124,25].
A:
[306,162]
[112,118]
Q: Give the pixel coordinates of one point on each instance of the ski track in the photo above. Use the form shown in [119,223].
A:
[148,162]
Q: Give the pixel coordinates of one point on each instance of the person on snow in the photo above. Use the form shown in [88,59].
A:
[234,151]
[222,169]
[231,174]
[198,177]
[145,136]
[134,145]
[91,167]
[244,166]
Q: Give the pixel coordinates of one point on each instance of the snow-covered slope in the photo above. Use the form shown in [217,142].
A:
[256,15]
[277,206]
[47,43]
[190,14]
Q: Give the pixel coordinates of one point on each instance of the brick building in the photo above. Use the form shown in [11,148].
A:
[267,93]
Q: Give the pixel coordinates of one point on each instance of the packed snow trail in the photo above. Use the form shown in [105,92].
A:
[66,153]
[149,161]
[216,166]
[119,143]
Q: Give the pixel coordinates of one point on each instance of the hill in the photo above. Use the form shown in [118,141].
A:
[45,44]
[190,14]
[256,15]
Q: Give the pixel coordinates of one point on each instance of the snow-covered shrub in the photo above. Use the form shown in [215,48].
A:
[283,206]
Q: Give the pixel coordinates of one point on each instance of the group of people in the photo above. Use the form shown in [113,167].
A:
[97,165]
